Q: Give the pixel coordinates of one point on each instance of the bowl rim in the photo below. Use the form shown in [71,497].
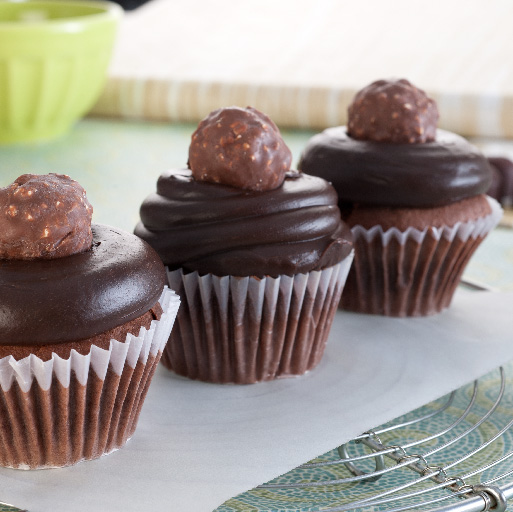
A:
[110,10]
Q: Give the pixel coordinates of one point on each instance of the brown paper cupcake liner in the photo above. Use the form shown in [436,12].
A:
[58,412]
[245,329]
[412,272]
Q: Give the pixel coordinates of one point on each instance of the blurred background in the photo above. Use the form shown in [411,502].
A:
[301,62]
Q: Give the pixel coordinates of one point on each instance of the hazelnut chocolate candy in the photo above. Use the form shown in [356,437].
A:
[392,111]
[44,216]
[239,147]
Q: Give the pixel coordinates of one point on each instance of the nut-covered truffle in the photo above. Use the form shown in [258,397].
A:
[240,147]
[392,111]
[44,216]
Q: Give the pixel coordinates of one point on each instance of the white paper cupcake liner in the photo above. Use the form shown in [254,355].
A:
[412,272]
[245,329]
[58,412]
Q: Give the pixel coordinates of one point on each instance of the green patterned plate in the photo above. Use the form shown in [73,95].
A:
[4,507]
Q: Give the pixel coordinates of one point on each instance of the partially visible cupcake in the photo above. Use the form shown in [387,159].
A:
[413,195]
[501,187]
[258,253]
[83,319]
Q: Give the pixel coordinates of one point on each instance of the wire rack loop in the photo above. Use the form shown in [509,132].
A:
[436,470]
[396,449]
[370,434]
[380,464]
[414,457]
[495,499]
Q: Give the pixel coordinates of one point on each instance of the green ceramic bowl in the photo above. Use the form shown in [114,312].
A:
[54,56]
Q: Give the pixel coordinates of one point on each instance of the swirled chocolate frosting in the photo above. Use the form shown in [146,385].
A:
[75,297]
[423,175]
[224,230]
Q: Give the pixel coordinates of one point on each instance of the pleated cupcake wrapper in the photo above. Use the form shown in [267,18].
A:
[246,329]
[412,272]
[58,412]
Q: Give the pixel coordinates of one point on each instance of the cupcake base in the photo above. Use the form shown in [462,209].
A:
[58,412]
[411,272]
[62,426]
[244,330]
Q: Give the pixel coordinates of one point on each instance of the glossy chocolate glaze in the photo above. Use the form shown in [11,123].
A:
[79,296]
[413,175]
[225,230]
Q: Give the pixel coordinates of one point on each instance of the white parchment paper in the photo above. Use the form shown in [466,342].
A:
[199,444]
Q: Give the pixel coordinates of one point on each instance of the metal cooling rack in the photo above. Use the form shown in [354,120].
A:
[455,454]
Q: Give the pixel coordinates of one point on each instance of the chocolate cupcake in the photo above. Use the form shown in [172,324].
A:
[83,319]
[257,252]
[413,195]
[501,187]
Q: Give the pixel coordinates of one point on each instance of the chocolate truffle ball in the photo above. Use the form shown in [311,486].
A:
[45,217]
[392,111]
[240,147]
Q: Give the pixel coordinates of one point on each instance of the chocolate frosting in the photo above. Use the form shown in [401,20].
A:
[424,175]
[223,230]
[79,296]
